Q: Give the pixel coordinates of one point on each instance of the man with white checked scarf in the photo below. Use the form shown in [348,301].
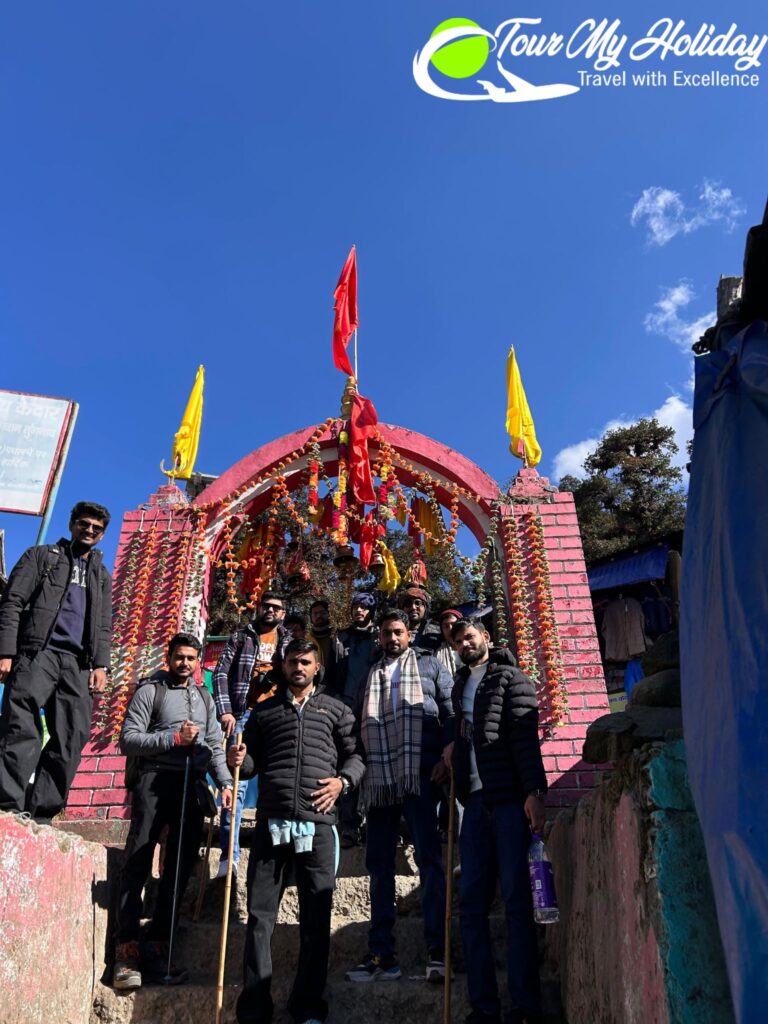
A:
[406,722]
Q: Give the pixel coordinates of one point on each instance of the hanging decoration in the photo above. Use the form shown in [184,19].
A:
[520,600]
[390,579]
[547,621]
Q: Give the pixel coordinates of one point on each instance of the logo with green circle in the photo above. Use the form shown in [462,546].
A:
[462,57]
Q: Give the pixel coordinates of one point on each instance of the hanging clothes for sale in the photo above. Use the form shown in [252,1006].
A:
[624,629]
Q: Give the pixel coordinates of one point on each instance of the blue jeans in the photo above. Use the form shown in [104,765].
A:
[239,803]
[494,843]
[420,813]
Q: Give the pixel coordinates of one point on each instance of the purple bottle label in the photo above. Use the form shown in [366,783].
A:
[542,885]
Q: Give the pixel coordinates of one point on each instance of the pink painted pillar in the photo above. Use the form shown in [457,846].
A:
[157,591]
[568,776]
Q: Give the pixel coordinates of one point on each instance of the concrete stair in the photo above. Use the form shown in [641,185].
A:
[411,999]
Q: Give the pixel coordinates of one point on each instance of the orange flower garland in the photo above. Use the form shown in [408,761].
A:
[521,601]
[123,692]
[550,640]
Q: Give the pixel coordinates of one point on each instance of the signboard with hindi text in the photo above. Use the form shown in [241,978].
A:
[32,432]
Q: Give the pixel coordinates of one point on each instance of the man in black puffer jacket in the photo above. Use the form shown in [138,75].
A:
[500,780]
[303,745]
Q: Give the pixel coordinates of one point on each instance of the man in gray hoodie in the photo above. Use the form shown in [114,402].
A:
[169,722]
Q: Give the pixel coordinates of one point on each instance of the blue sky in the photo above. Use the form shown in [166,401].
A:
[181,183]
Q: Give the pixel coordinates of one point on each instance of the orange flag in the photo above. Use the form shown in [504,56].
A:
[346,320]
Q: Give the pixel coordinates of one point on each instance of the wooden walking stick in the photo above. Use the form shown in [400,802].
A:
[449,900]
[227,888]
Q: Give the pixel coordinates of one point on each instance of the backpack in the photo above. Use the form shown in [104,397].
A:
[133,762]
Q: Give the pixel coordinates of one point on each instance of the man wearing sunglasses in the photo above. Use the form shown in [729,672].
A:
[55,633]
[238,685]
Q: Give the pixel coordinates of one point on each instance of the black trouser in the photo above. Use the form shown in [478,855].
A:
[315,880]
[54,682]
[156,803]
[350,817]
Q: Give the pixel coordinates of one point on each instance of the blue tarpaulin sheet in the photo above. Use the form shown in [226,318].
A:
[724,650]
[639,568]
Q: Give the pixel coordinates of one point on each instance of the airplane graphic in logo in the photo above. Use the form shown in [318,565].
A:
[521,91]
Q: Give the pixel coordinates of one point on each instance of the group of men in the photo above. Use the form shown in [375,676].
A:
[375,720]
[369,720]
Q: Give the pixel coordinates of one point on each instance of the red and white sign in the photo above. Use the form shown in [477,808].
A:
[32,433]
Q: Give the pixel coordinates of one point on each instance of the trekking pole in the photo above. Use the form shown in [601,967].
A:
[449,899]
[167,980]
[227,888]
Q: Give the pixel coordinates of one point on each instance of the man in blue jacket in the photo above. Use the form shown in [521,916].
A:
[406,723]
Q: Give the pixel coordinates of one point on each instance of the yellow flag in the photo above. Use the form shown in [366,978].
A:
[390,579]
[519,420]
[188,435]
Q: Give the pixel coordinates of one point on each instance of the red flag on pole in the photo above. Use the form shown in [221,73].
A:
[346,320]
[362,427]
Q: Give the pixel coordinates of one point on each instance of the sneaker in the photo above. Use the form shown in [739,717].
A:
[312,1020]
[435,967]
[375,968]
[127,974]
[222,871]
[154,963]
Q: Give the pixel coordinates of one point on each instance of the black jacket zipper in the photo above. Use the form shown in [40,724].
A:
[300,742]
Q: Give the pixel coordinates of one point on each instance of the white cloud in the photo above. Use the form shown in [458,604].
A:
[674,412]
[666,215]
[665,318]
[571,459]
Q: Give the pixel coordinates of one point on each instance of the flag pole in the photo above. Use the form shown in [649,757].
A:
[355,342]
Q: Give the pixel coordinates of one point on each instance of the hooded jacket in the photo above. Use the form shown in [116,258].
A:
[35,593]
[291,750]
[155,741]
[504,732]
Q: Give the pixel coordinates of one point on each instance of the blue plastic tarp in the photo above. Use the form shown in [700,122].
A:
[724,650]
[638,568]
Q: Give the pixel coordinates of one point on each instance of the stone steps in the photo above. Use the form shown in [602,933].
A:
[198,943]
[351,899]
[406,1001]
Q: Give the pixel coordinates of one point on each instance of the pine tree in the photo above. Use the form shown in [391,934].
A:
[632,493]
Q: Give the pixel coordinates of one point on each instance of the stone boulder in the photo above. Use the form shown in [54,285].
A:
[611,736]
[661,690]
[664,654]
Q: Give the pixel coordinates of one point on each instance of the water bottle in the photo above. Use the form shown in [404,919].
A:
[542,883]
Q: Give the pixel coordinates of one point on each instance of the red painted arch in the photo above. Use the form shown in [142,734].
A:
[424,453]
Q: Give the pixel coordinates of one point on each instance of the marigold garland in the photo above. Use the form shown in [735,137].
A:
[520,600]
[123,692]
[550,639]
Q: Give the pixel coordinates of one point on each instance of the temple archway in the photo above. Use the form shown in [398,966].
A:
[529,540]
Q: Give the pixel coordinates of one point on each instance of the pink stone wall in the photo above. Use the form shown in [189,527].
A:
[53,923]
[568,776]
[606,948]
